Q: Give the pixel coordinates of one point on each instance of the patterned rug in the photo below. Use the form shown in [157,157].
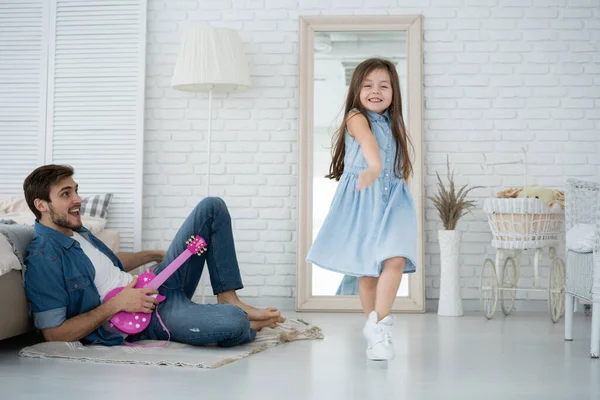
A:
[176,354]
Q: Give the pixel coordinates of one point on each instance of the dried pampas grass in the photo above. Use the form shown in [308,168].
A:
[451,206]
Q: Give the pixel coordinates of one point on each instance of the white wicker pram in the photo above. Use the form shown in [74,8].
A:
[519,224]
[583,268]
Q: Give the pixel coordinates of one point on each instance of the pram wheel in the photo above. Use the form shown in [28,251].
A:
[488,289]
[509,286]
[556,290]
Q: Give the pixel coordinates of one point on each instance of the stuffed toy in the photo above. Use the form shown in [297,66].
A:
[550,197]
[546,195]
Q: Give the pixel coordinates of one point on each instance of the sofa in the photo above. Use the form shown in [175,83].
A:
[16,233]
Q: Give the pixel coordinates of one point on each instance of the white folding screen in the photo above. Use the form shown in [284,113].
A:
[96,107]
[94,103]
[23,59]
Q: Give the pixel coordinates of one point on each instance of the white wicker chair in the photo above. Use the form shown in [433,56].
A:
[583,269]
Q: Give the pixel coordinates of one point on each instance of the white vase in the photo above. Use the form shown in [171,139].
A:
[450,303]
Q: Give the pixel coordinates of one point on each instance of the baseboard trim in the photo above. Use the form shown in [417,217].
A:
[473,305]
[469,305]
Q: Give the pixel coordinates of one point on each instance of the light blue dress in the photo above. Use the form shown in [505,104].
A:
[363,229]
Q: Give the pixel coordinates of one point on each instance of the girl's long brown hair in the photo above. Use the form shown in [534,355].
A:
[403,165]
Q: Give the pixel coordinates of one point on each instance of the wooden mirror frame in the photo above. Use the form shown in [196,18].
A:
[412,24]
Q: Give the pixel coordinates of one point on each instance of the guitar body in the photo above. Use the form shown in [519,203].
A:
[133,323]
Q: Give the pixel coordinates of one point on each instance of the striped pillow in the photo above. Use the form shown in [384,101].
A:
[96,206]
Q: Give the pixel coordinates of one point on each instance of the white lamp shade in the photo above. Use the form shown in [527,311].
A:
[211,58]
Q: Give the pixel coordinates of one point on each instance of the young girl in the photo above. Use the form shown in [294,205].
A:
[370,231]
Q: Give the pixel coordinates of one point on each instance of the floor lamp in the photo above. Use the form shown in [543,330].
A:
[210,59]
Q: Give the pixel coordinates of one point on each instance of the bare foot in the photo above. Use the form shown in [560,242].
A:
[254,314]
[268,323]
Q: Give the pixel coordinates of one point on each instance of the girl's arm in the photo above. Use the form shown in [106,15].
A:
[358,126]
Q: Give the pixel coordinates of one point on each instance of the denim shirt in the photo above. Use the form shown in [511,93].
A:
[381,126]
[59,281]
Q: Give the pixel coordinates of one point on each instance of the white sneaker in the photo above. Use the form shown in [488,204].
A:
[370,328]
[381,346]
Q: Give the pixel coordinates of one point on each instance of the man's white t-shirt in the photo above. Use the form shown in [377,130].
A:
[108,276]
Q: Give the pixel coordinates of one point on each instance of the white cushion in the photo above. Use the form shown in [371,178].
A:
[93,211]
[95,225]
[10,203]
[8,259]
[581,237]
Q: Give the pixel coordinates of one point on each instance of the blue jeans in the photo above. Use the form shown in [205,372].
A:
[201,324]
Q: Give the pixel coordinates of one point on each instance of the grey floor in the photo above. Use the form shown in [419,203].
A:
[522,356]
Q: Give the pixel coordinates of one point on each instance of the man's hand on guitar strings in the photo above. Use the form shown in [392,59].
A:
[132,299]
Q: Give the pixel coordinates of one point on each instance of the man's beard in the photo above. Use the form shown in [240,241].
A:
[62,221]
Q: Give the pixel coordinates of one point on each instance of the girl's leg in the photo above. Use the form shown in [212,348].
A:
[377,329]
[367,291]
[388,284]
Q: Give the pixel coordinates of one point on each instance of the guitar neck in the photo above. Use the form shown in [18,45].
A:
[171,268]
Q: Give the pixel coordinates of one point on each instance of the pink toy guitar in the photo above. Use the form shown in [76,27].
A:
[133,323]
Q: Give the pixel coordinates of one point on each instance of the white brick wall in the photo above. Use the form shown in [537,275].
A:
[498,75]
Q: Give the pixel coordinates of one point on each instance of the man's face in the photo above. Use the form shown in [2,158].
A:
[63,208]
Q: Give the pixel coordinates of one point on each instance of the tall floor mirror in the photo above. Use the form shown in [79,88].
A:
[330,49]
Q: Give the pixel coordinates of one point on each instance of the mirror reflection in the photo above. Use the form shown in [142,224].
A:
[336,54]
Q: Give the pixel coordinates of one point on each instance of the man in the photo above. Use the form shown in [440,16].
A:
[69,271]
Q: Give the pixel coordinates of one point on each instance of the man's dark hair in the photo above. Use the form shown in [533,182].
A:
[37,185]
